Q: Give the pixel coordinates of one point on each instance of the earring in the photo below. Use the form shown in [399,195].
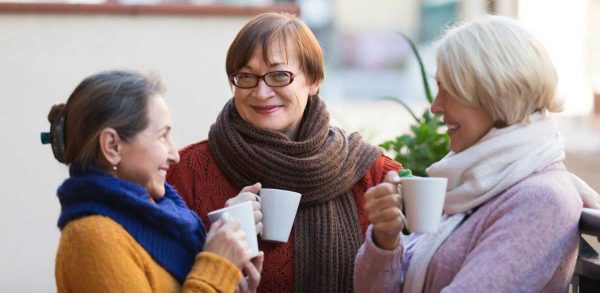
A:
[115,168]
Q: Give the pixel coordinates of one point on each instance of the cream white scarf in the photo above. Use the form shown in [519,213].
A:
[497,161]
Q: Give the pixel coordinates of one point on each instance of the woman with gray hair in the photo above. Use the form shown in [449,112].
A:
[511,213]
[123,229]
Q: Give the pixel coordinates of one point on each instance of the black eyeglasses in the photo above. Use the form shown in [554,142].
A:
[247,80]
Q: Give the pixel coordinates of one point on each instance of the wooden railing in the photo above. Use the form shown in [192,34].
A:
[587,271]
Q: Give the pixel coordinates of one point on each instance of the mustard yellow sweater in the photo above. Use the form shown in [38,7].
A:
[96,254]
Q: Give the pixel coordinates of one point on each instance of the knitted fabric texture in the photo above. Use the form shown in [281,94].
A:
[171,233]
[96,254]
[204,188]
[322,165]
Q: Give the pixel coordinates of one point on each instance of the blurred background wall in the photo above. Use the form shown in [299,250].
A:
[45,52]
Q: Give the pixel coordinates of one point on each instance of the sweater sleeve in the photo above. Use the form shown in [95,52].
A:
[386,164]
[377,270]
[374,176]
[526,239]
[212,273]
[95,256]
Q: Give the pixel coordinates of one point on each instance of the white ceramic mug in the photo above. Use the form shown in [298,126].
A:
[244,212]
[279,209]
[423,199]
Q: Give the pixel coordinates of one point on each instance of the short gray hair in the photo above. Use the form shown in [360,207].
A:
[494,63]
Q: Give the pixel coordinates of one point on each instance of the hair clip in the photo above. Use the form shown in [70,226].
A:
[56,137]
[46,137]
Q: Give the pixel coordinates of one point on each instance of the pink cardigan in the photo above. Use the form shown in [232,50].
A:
[523,240]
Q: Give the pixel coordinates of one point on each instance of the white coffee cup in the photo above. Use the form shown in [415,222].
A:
[423,199]
[279,209]
[244,212]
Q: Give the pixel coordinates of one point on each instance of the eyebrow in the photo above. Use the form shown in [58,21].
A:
[270,65]
[165,128]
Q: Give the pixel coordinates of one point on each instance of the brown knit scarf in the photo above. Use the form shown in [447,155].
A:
[323,165]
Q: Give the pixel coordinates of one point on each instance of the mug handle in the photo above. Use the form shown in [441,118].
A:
[260,202]
[404,220]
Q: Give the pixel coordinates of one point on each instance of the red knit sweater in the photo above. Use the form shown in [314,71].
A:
[204,188]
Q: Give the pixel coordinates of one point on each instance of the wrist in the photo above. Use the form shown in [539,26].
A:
[386,241]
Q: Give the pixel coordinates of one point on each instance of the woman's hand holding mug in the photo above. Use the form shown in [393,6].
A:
[226,239]
[249,193]
[383,204]
[252,271]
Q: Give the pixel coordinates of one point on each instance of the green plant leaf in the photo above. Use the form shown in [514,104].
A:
[426,142]
[403,104]
[415,51]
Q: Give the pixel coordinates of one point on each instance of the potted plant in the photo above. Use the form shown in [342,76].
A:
[427,142]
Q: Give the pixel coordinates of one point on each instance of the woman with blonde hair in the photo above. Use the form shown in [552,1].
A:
[511,213]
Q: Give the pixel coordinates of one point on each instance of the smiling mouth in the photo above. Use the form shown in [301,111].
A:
[265,110]
[452,128]
[162,172]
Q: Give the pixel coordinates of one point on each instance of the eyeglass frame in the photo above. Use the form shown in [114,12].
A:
[259,77]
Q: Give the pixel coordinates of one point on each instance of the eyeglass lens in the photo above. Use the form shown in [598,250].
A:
[272,79]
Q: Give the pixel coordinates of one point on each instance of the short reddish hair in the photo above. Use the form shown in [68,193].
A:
[285,28]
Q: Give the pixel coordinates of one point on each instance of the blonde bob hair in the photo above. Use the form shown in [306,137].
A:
[494,63]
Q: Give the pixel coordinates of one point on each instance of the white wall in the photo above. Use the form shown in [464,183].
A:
[373,15]
[42,59]
[563,30]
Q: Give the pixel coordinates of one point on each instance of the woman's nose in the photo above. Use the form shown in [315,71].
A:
[263,90]
[436,106]
[173,154]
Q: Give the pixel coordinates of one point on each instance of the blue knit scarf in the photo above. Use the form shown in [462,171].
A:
[166,229]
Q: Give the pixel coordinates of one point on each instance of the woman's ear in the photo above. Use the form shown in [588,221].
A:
[313,88]
[110,146]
